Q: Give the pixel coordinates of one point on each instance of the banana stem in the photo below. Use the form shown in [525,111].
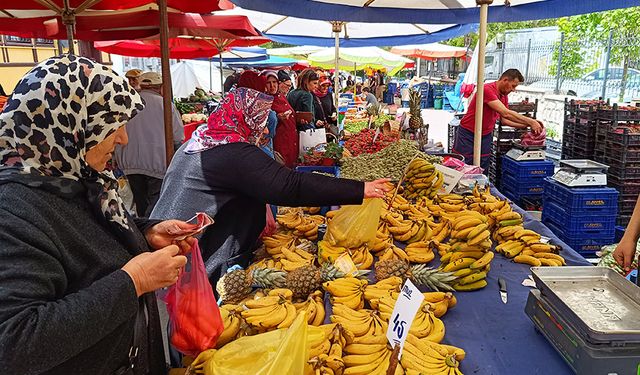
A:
[393,362]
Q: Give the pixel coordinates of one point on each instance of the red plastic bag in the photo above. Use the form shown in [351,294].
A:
[271,226]
[195,321]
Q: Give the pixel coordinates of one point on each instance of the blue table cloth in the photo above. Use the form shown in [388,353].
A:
[500,339]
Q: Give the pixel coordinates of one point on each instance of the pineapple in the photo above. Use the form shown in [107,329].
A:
[415,121]
[306,280]
[236,285]
[419,274]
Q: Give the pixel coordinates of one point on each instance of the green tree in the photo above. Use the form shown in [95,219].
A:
[594,29]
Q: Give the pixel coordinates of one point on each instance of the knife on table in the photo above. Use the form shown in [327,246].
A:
[503,289]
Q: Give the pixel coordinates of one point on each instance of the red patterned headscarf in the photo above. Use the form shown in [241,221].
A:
[241,117]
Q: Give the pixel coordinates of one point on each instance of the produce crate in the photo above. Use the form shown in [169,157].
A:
[576,224]
[623,220]
[623,136]
[521,188]
[616,113]
[626,205]
[588,113]
[624,187]
[601,201]
[625,172]
[622,155]
[526,170]
[585,246]
[620,232]
[319,169]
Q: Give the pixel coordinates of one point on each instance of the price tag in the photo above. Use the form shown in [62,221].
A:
[451,178]
[345,264]
[404,311]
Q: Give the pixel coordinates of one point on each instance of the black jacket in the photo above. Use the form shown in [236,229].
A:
[233,183]
[66,307]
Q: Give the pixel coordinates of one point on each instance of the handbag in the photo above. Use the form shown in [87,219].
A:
[311,138]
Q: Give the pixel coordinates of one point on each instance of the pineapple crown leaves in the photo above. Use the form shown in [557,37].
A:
[330,272]
[268,277]
[432,277]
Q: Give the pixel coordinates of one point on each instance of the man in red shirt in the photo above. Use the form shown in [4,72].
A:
[496,105]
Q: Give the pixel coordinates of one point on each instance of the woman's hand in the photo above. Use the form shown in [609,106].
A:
[154,270]
[376,188]
[624,253]
[165,233]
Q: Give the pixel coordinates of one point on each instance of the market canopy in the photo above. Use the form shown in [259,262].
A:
[188,75]
[359,58]
[38,8]
[314,32]
[430,11]
[270,62]
[294,52]
[430,51]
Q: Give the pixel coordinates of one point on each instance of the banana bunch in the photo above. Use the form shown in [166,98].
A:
[264,263]
[508,219]
[232,319]
[382,288]
[369,355]
[406,230]
[328,253]
[362,257]
[423,357]
[302,225]
[383,239]
[419,252]
[270,312]
[197,366]
[311,210]
[295,258]
[393,252]
[505,234]
[360,322]
[348,291]
[326,358]
[422,180]
[425,324]
[314,307]
[440,302]
[273,243]
[441,231]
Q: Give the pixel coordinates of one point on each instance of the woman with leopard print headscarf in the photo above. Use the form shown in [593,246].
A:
[76,272]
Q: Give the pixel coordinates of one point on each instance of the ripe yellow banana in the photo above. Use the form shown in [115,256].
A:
[290,316]
[527,259]
[479,238]
[483,261]
[472,278]
[469,287]
[555,257]
[459,264]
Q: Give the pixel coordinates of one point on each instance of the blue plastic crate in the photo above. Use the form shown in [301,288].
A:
[585,246]
[527,169]
[526,202]
[318,168]
[620,232]
[579,223]
[521,187]
[602,201]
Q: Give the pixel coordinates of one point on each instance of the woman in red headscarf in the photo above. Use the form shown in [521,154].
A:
[222,172]
[286,138]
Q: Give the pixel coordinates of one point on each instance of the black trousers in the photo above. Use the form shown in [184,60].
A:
[146,191]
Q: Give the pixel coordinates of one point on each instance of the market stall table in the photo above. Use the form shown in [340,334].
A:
[500,338]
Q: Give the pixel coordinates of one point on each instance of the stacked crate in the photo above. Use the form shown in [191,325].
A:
[503,137]
[579,135]
[523,182]
[622,155]
[583,218]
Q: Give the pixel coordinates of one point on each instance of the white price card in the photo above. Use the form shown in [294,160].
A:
[451,178]
[404,312]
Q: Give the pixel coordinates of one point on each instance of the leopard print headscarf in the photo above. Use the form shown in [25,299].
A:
[57,112]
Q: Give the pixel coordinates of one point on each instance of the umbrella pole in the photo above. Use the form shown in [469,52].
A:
[355,75]
[477,137]
[167,94]
[337,27]
[68,18]
[211,74]
[221,74]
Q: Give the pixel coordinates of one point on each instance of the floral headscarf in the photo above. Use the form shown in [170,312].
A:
[241,117]
[58,111]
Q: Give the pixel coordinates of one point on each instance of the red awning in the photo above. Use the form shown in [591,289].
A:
[131,25]
[179,48]
[194,6]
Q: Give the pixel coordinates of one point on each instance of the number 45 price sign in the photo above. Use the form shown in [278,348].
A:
[404,312]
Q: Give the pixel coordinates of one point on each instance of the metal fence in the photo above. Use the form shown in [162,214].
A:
[585,68]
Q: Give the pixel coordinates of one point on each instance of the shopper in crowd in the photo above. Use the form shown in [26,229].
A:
[143,160]
[78,279]
[495,106]
[231,81]
[325,109]
[285,142]
[266,141]
[133,76]
[378,77]
[350,82]
[301,99]
[222,172]
[369,97]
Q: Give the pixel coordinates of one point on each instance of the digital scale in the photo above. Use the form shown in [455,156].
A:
[581,173]
[526,153]
[590,315]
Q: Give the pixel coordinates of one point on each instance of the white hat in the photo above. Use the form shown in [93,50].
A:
[150,79]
